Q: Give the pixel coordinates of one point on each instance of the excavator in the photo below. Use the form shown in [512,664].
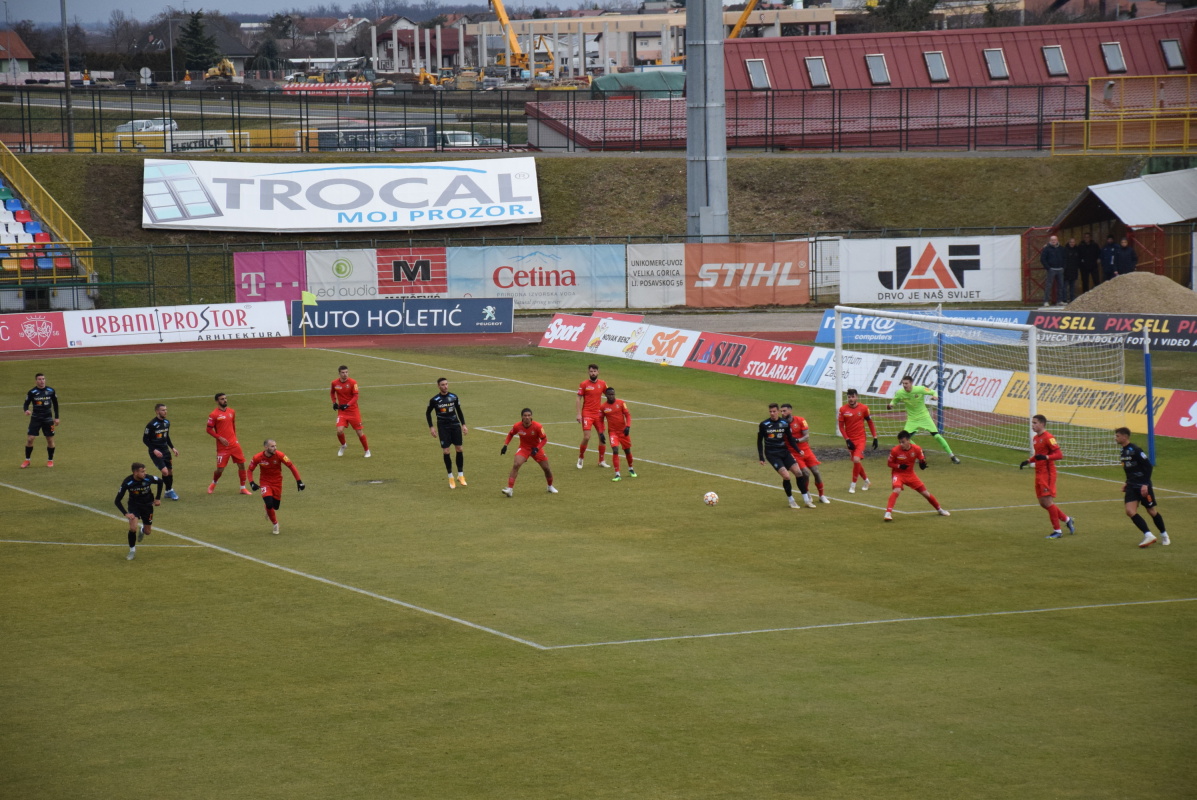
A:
[223,71]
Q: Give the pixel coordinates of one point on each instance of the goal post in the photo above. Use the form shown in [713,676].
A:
[990,377]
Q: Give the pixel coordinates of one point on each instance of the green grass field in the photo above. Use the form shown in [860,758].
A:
[616,640]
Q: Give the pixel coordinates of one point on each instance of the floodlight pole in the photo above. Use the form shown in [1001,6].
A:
[66,71]
[706,124]
[12,62]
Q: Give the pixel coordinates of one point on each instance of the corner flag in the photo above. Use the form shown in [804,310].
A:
[308,298]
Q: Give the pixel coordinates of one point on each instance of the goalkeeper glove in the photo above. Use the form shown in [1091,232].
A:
[253,487]
[300,485]
[903,466]
[874,442]
[503,452]
[922,465]
[602,438]
[848,444]
[1023,464]
[627,431]
[535,450]
[335,407]
[344,406]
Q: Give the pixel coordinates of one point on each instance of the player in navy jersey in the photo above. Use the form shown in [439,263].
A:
[157,440]
[41,406]
[773,442]
[1138,488]
[449,427]
[140,513]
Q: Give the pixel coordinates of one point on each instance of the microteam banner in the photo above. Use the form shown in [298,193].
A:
[243,196]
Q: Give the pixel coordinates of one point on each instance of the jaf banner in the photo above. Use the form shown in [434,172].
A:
[940,270]
[403,316]
[338,198]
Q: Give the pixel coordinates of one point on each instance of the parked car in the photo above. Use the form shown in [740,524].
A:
[467,139]
[144,125]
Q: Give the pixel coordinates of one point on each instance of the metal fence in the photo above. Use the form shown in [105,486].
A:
[228,119]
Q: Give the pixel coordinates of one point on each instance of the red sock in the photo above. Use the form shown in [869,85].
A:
[341,437]
[582,450]
[1060,515]
[241,475]
[855,471]
[602,452]
[628,454]
[511,483]
[863,477]
[934,503]
[819,486]
[215,476]
[1053,514]
[893,498]
[549,481]
[615,460]
[271,515]
[365,444]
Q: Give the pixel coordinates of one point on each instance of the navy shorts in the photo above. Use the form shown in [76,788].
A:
[143,513]
[779,461]
[1133,495]
[163,462]
[43,426]
[450,435]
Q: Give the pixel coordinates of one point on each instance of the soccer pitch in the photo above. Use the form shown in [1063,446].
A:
[401,639]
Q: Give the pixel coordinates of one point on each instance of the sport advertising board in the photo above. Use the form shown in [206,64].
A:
[1167,332]
[169,324]
[936,270]
[271,275]
[554,276]
[862,329]
[747,274]
[33,331]
[342,274]
[569,332]
[338,198]
[403,316]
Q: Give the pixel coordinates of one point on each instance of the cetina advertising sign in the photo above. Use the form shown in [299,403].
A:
[338,198]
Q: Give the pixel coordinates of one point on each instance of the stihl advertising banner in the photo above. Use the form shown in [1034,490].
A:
[338,198]
[750,274]
[942,270]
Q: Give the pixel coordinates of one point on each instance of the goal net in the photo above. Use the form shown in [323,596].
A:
[990,378]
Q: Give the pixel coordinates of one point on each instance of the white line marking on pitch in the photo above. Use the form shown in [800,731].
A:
[869,622]
[289,570]
[97,544]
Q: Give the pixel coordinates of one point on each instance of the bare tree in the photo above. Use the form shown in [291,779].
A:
[123,31]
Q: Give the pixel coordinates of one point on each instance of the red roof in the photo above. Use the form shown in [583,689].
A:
[963,54]
[14,47]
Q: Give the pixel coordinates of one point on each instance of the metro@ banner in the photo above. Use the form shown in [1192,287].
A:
[403,316]
[861,329]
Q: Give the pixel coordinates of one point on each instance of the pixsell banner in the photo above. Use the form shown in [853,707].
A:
[1167,332]
[41,331]
[941,270]
[338,198]
[656,275]
[554,276]
[403,316]
[198,323]
[342,274]
[747,274]
[270,275]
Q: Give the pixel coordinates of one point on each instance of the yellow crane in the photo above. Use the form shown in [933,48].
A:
[743,20]
[519,58]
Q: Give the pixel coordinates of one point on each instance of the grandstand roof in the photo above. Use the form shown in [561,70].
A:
[1163,199]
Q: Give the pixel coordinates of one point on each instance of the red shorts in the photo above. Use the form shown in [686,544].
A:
[858,448]
[271,489]
[903,479]
[806,458]
[617,439]
[595,422]
[350,419]
[527,453]
[224,454]
[1045,485]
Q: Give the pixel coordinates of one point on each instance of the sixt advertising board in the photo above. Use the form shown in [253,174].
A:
[403,316]
[861,329]
[554,276]
[940,270]
[338,198]
[1167,332]
[163,324]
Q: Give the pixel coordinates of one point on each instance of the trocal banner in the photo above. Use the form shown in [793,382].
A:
[338,198]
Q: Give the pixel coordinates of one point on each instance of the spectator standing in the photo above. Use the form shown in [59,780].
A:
[1052,259]
[1072,269]
[1126,259]
[1090,254]
[1109,259]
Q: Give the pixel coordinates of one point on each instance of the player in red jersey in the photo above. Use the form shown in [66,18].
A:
[222,426]
[902,459]
[851,421]
[618,421]
[590,399]
[532,442]
[1045,453]
[343,394]
[804,456]
[272,460]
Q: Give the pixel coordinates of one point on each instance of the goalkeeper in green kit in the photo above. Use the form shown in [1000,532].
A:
[917,416]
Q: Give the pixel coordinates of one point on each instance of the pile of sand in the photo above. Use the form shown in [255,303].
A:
[1138,293]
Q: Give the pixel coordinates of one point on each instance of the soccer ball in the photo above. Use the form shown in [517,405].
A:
[711,499]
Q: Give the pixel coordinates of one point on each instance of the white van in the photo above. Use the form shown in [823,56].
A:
[467,139]
[143,125]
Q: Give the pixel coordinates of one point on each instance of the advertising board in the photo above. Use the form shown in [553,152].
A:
[552,276]
[32,331]
[936,270]
[1167,332]
[163,324]
[402,316]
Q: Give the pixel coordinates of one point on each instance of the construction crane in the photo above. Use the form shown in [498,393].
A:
[743,20]
[520,59]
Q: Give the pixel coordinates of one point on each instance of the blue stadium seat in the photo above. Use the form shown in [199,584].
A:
[33,227]
[14,204]
[45,263]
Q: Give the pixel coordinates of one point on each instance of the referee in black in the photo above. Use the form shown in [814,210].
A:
[1138,488]
[140,488]
[448,428]
[41,406]
[157,440]
[772,436]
